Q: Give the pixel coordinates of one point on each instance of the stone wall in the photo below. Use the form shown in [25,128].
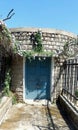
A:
[17,76]
[53,40]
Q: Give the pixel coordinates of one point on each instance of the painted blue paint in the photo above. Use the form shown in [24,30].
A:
[37,79]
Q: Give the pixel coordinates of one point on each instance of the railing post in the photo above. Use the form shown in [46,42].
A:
[74,101]
[77,102]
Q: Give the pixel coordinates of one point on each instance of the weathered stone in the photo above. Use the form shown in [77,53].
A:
[52,39]
[17,74]
[23,47]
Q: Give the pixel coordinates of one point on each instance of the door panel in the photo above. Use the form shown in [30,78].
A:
[37,83]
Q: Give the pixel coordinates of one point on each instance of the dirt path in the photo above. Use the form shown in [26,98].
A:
[30,117]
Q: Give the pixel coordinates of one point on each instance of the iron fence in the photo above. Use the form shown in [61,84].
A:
[70,79]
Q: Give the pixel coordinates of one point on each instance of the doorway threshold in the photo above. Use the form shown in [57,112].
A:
[38,102]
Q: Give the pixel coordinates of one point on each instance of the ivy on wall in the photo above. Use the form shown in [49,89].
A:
[5,38]
[7,82]
[37,42]
[4,33]
[32,54]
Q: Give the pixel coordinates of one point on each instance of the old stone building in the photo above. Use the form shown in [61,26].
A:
[39,78]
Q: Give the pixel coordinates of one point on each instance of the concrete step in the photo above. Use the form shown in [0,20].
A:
[5,105]
[71,112]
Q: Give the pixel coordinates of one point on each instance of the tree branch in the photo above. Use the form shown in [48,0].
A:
[9,16]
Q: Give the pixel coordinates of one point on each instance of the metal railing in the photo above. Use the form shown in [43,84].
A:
[70,97]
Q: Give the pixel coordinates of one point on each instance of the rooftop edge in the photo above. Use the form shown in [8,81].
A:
[44,30]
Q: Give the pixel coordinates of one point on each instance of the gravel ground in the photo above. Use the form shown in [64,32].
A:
[34,117]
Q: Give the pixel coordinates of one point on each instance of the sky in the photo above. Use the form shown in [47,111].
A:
[56,14]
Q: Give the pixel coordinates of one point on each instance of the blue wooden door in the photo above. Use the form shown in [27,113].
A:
[37,81]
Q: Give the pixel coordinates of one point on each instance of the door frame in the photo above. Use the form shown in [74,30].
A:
[31,101]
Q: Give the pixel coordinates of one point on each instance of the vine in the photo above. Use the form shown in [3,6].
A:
[4,33]
[5,39]
[7,81]
[37,41]
[32,54]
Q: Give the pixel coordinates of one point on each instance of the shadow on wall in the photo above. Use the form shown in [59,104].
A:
[57,79]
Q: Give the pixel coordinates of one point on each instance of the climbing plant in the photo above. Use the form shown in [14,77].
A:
[32,54]
[5,39]
[6,90]
[4,33]
[38,42]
